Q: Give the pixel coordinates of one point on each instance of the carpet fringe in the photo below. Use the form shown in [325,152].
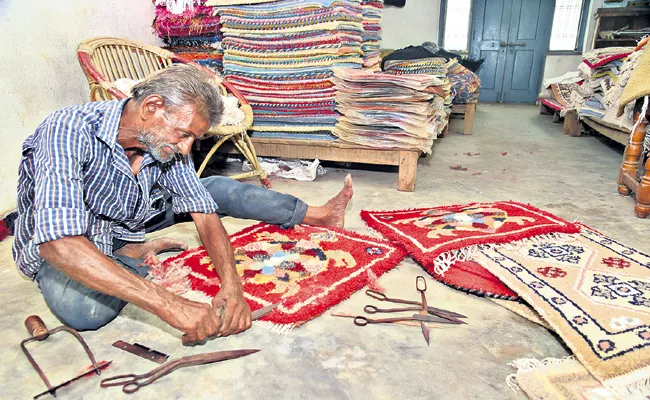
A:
[635,391]
[446,260]
[531,364]
[280,329]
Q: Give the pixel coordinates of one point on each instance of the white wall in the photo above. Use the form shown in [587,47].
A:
[413,24]
[560,65]
[40,73]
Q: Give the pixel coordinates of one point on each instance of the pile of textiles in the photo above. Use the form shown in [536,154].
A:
[194,33]
[596,97]
[436,66]
[429,59]
[385,111]
[371,11]
[281,56]
[557,91]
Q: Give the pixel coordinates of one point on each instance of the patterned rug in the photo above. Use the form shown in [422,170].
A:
[595,294]
[438,237]
[306,269]
[557,379]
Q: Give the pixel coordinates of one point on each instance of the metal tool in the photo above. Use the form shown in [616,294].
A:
[370,309]
[421,286]
[360,320]
[39,332]
[131,382]
[142,351]
[432,310]
[257,314]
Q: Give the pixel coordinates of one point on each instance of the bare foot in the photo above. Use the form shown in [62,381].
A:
[156,246]
[331,213]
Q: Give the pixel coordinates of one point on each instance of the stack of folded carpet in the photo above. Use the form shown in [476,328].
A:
[372,11]
[280,55]
[386,111]
[435,66]
[597,96]
[194,33]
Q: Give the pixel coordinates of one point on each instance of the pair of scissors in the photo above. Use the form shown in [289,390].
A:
[453,316]
[131,382]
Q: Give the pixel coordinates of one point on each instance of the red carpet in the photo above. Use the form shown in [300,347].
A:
[439,237]
[4,230]
[471,277]
[306,269]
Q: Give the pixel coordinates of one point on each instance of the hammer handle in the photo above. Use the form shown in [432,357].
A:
[36,327]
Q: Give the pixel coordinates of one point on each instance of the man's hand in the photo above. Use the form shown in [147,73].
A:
[236,314]
[229,303]
[198,321]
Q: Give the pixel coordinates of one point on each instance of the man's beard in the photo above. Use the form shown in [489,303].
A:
[158,148]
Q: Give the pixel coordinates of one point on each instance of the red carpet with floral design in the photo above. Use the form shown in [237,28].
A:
[306,269]
[437,237]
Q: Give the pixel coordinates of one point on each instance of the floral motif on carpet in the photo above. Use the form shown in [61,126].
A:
[594,292]
[306,269]
[438,237]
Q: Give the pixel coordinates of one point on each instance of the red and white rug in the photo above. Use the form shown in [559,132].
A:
[438,237]
[306,270]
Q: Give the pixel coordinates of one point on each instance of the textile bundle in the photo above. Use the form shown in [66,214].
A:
[595,90]
[281,56]
[389,111]
[195,34]
[429,59]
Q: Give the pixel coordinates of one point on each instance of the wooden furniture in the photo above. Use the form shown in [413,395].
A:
[613,19]
[467,113]
[106,59]
[616,135]
[406,160]
[628,181]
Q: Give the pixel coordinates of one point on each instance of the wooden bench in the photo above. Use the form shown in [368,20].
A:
[324,150]
[466,112]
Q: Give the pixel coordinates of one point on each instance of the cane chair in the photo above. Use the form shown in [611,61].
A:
[104,60]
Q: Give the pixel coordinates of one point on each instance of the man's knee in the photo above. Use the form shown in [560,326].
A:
[75,305]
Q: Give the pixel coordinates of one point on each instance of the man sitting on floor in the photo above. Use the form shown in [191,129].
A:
[92,179]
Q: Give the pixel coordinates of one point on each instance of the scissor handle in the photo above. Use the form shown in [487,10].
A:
[360,321]
[376,295]
[370,309]
[420,284]
[119,380]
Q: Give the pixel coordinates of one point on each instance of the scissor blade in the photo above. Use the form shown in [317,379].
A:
[434,310]
[433,318]
[257,314]
[230,355]
[425,331]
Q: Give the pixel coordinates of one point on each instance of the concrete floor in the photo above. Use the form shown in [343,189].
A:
[330,358]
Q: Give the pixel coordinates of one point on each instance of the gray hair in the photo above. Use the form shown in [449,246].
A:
[182,85]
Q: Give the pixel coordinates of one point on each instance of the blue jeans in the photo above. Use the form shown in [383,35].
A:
[85,309]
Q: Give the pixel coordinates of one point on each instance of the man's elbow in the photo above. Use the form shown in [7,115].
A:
[59,247]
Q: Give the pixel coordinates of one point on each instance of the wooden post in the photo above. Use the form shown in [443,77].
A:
[408,168]
[468,121]
[642,208]
[572,126]
[631,158]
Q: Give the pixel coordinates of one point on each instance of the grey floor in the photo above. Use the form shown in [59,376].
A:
[330,358]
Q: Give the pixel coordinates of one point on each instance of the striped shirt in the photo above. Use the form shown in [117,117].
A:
[76,180]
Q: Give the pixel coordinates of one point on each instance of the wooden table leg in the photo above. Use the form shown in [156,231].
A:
[408,168]
[642,208]
[468,121]
[572,125]
[632,156]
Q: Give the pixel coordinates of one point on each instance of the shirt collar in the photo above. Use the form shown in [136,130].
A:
[109,129]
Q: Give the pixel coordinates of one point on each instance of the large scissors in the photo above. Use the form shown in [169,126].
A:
[131,382]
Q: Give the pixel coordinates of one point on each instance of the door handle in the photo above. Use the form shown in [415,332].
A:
[505,44]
